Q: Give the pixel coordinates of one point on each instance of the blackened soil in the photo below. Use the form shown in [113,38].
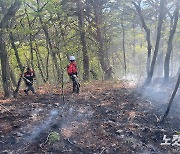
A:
[106,117]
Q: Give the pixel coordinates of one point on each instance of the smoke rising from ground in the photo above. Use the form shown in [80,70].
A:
[159,94]
[36,131]
[62,117]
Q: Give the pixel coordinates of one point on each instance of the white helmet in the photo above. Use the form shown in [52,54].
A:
[72,58]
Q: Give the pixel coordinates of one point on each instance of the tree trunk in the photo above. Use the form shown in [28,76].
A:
[3,52]
[49,44]
[39,62]
[30,24]
[98,25]
[5,67]
[18,84]
[50,48]
[134,39]
[101,50]
[148,36]
[15,51]
[170,41]
[80,12]
[160,22]
[31,50]
[124,50]
[13,77]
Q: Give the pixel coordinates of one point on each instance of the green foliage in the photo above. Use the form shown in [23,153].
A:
[61,21]
[53,137]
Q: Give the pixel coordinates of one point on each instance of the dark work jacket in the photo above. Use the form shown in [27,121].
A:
[29,76]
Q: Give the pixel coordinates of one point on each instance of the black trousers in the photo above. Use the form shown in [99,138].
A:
[30,88]
[76,85]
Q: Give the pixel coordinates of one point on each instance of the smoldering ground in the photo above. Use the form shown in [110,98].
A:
[59,119]
[157,94]
[110,119]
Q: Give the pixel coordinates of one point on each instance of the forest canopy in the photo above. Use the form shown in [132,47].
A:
[137,38]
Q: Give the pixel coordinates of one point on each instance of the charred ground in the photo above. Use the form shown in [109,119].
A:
[107,117]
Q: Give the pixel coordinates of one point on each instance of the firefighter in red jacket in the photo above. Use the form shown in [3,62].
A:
[72,72]
[29,75]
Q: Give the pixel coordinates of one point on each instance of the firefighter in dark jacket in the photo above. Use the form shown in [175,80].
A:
[72,72]
[29,76]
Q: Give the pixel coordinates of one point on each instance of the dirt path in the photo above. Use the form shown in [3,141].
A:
[105,118]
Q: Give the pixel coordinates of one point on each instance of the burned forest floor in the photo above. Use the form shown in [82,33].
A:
[105,118]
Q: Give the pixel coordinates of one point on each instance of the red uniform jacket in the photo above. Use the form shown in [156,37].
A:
[71,69]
